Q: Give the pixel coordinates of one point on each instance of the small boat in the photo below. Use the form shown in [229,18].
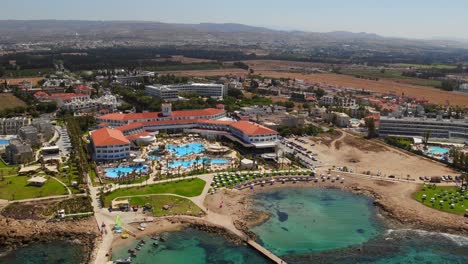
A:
[142,241]
[131,251]
[133,255]
[124,261]
[138,248]
[155,244]
[162,239]
[155,237]
[124,236]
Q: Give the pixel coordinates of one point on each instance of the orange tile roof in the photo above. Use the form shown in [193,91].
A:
[129,126]
[107,136]
[175,114]
[137,135]
[252,129]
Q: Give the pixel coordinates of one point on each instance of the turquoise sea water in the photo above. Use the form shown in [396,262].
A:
[311,225]
[312,219]
[57,252]
[307,225]
[194,247]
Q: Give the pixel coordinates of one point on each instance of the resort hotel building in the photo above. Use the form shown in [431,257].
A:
[452,129]
[119,132]
[172,92]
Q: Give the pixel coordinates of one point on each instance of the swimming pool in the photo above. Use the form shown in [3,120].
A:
[114,172]
[436,150]
[189,163]
[187,149]
[4,141]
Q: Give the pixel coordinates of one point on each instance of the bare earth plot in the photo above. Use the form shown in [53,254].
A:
[10,101]
[362,155]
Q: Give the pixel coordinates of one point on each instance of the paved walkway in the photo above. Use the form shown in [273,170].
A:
[61,182]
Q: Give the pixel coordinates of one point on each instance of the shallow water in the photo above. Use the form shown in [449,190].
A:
[191,246]
[312,225]
[57,252]
[311,219]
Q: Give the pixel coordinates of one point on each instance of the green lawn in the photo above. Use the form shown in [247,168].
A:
[17,188]
[177,205]
[189,188]
[6,170]
[448,195]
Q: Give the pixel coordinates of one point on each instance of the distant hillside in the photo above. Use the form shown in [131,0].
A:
[337,46]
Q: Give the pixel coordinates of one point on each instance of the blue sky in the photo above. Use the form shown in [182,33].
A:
[401,18]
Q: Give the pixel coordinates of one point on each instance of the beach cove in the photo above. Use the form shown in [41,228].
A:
[245,213]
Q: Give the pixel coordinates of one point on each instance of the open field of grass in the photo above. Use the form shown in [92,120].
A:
[177,205]
[448,195]
[189,188]
[10,101]
[28,72]
[17,188]
[7,170]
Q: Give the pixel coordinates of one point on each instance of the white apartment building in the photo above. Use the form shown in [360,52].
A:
[11,126]
[414,127]
[172,92]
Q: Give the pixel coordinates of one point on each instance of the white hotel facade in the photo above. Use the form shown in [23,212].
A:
[454,129]
[172,92]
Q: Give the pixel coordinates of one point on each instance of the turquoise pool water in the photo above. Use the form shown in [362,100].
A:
[4,142]
[58,252]
[305,220]
[189,163]
[187,149]
[114,172]
[436,150]
[194,247]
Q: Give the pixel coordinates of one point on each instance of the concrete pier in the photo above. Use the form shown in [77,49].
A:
[265,252]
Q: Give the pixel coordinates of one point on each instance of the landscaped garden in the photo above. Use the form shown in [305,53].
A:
[162,205]
[188,188]
[451,199]
[17,188]
[7,170]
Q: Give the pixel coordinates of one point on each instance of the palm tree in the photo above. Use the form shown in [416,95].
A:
[464,179]
[197,159]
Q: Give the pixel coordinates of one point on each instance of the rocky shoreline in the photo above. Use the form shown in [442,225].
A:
[15,234]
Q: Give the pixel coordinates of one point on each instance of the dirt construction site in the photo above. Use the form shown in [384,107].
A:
[342,149]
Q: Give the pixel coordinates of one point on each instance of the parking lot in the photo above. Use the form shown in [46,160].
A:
[301,148]
[63,142]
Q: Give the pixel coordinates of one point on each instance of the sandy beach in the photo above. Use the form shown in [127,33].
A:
[392,198]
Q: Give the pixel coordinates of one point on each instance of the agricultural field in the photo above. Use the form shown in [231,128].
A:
[8,101]
[423,66]
[392,74]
